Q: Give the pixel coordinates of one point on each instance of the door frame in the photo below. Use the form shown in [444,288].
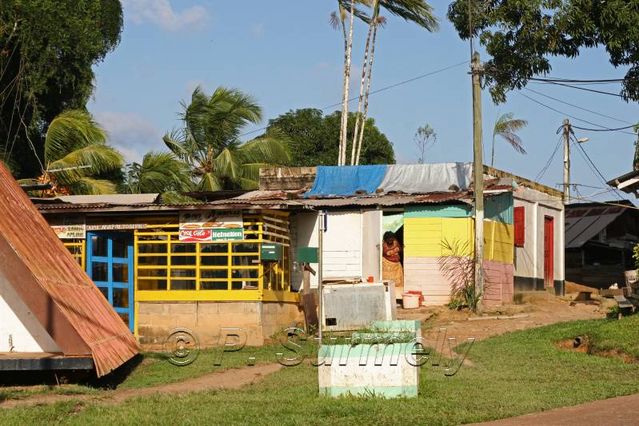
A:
[549,251]
[110,260]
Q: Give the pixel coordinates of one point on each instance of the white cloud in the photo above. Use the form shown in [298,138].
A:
[131,134]
[161,13]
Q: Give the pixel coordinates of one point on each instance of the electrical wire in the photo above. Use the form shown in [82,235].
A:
[601,92]
[569,115]
[596,169]
[605,130]
[544,169]
[577,106]
[382,89]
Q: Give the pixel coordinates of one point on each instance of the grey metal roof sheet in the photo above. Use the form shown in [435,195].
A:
[584,223]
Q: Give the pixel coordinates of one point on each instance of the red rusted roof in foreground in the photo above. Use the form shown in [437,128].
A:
[54,287]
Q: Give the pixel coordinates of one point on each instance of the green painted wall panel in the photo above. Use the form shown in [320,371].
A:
[438,210]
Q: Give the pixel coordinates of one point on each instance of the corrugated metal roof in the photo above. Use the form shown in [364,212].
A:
[54,287]
[113,199]
[584,223]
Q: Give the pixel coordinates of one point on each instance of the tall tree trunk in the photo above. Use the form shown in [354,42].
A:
[367,93]
[492,154]
[347,75]
[361,91]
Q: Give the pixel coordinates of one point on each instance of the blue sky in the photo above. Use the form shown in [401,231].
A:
[287,56]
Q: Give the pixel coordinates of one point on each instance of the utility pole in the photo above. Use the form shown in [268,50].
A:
[478,177]
[567,131]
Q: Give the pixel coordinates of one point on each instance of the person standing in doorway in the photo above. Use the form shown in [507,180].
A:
[391,262]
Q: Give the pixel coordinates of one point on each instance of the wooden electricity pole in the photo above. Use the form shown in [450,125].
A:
[478,177]
[566,127]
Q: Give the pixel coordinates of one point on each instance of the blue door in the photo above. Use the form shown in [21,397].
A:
[110,266]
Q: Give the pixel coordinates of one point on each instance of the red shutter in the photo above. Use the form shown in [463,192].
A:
[520,226]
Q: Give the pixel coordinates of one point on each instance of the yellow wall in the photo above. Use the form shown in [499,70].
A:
[436,237]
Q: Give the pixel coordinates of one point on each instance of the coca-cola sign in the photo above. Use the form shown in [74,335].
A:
[196,235]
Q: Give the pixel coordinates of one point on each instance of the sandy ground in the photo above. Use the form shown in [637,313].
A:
[228,379]
[535,310]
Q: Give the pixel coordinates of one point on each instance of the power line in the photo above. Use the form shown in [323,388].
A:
[605,130]
[544,169]
[577,106]
[579,80]
[382,89]
[601,92]
[594,166]
[569,115]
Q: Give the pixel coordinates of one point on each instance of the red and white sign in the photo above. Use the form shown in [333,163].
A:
[196,235]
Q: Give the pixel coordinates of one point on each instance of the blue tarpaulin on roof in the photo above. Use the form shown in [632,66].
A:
[346,180]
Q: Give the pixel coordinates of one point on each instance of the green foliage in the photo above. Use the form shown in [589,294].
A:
[416,11]
[458,266]
[635,255]
[522,36]
[209,141]
[526,366]
[47,50]
[506,127]
[314,138]
[159,172]
[77,158]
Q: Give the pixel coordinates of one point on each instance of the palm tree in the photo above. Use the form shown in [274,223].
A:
[506,127]
[417,11]
[76,156]
[209,141]
[338,19]
[159,172]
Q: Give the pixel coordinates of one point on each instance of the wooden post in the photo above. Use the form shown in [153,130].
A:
[566,161]
[478,178]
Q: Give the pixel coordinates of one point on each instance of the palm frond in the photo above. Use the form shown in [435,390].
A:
[69,131]
[335,20]
[162,172]
[210,182]
[89,186]
[266,149]
[248,184]
[172,197]
[227,165]
[91,160]
[417,11]
[506,127]
[513,140]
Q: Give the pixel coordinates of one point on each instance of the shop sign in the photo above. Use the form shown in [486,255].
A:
[208,226]
[70,231]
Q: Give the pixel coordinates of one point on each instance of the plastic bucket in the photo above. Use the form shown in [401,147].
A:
[410,301]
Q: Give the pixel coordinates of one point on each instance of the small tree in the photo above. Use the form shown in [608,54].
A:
[425,137]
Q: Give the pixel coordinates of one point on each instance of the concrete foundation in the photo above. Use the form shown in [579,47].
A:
[253,322]
[378,369]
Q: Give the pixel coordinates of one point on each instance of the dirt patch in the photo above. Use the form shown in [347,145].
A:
[228,379]
[535,309]
[583,344]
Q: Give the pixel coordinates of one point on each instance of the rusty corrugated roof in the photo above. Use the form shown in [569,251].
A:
[54,287]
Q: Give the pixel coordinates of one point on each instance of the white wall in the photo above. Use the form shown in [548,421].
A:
[343,245]
[371,244]
[351,244]
[529,260]
[18,324]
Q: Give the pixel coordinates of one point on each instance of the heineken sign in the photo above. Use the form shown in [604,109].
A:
[203,226]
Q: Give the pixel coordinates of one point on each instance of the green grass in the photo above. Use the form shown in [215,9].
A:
[512,374]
